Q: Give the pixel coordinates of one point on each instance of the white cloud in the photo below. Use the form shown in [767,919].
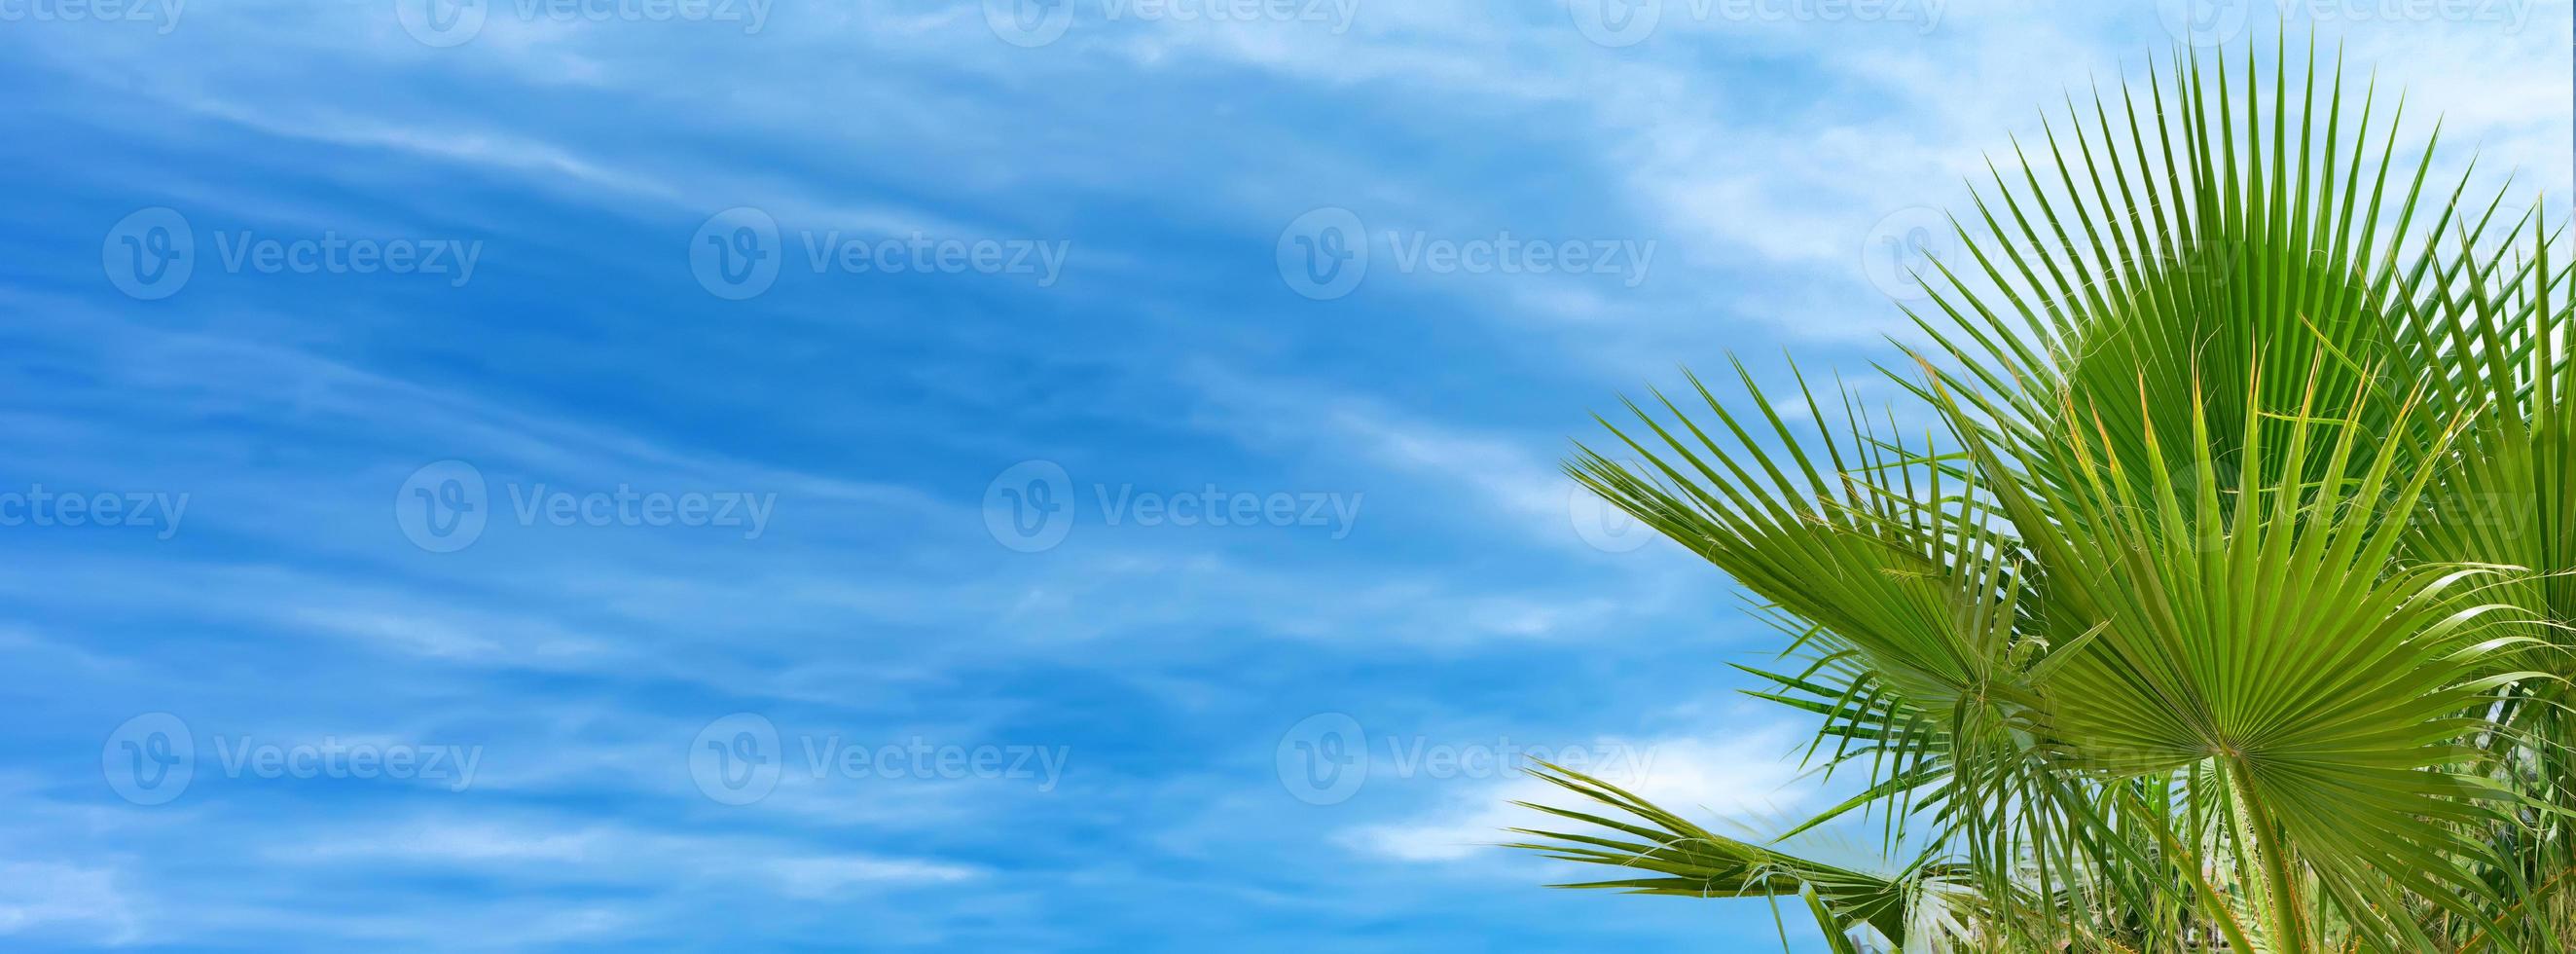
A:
[461,842]
[828,876]
[47,897]
[1740,778]
[624,854]
[1509,480]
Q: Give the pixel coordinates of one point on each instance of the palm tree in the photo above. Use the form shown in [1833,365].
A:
[2209,589]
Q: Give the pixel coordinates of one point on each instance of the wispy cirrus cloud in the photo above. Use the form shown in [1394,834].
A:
[876,605]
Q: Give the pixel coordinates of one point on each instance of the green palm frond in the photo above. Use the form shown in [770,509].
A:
[2222,595]
[1664,854]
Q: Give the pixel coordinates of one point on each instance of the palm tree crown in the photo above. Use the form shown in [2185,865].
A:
[2218,602]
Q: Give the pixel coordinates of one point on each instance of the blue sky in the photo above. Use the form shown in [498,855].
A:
[1047,549]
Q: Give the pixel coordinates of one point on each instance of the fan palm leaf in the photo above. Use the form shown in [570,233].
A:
[2222,595]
